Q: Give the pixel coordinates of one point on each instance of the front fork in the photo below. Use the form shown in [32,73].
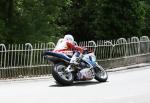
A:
[100,67]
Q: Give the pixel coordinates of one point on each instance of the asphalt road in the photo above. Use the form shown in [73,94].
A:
[128,86]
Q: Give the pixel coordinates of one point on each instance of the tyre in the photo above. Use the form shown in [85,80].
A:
[100,74]
[61,76]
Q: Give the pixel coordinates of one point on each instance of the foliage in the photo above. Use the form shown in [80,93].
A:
[32,20]
[104,19]
[121,18]
[24,21]
[79,19]
[146,27]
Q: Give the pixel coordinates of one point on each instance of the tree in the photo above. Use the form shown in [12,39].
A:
[30,20]
[104,19]
[6,8]
[36,20]
[121,18]
[146,27]
[47,20]
[79,18]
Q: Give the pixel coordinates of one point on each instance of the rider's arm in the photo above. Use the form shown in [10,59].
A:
[72,46]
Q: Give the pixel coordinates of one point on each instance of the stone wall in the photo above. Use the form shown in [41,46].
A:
[124,61]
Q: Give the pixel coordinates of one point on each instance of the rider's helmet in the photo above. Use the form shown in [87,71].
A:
[69,37]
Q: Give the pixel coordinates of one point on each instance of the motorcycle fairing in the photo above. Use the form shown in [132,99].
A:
[89,60]
[54,57]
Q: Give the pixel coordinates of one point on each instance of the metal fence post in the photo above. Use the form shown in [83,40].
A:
[93,44]
[31,49]
[4,47]
[145,39]
[110,44]
[123,41]
[136,40]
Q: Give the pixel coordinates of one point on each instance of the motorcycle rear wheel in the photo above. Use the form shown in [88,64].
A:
[61,76]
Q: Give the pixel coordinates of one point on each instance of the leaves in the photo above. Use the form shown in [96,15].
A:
[47,20]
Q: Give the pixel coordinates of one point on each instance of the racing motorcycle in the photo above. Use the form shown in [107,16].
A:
[65,72]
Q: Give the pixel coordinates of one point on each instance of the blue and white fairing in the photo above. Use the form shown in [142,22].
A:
[55,57]
[90,59]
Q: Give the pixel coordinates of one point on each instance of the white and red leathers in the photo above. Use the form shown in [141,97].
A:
[67,47]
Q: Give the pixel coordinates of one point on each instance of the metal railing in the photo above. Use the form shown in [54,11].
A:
[21,60]
[112,49]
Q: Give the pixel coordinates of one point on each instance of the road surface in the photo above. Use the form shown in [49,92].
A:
[128,86]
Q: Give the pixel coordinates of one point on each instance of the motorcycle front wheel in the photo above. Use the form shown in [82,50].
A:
[100,74]
[61,76]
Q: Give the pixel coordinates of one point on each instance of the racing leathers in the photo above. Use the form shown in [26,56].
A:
[69,48]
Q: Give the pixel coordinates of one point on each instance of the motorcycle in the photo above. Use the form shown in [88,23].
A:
[65,72]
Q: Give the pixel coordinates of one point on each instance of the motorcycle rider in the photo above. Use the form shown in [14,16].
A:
[67,45]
